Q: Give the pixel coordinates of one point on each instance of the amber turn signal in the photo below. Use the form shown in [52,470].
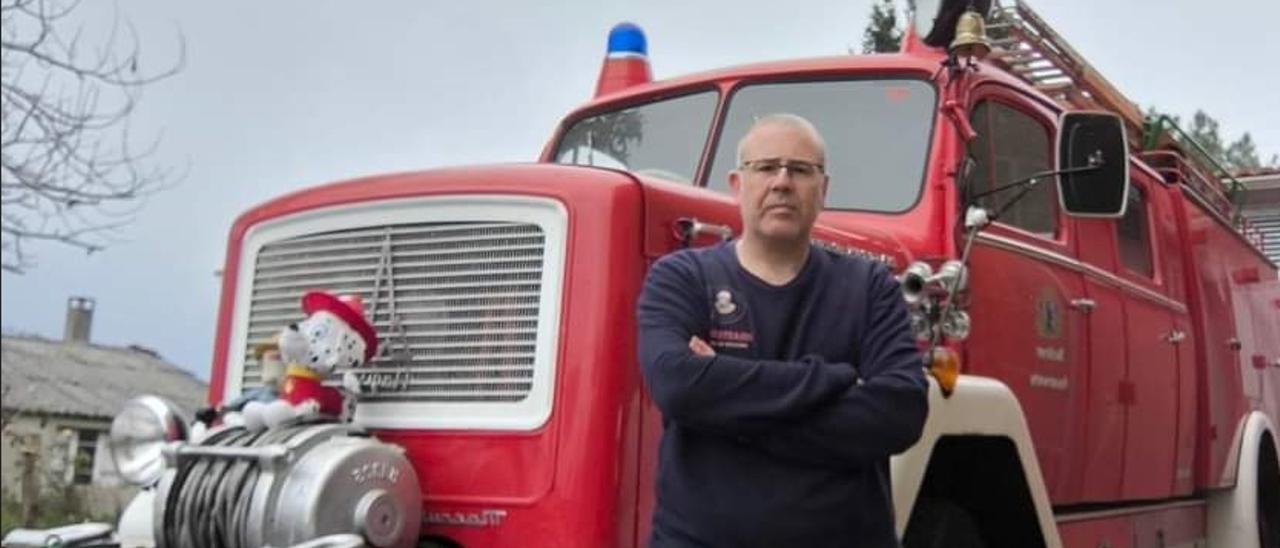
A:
[944,365]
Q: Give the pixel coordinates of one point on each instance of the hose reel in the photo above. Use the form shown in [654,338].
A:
[284,486]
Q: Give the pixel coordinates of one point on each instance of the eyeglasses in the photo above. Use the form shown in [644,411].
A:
[770,167]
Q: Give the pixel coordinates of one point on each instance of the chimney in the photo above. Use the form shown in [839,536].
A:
[79,319]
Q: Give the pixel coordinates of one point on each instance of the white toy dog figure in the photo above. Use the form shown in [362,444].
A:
[334,334]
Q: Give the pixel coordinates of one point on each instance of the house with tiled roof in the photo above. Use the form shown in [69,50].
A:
[1262,208]
[59,397]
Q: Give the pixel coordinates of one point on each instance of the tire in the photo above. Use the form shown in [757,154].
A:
[1268,509]
[940,523]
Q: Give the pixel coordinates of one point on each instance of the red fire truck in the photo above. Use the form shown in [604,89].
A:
[1105,338]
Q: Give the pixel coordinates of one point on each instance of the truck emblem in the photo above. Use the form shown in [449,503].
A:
[724,303]
[395,347]
[482,518]
[1048,317]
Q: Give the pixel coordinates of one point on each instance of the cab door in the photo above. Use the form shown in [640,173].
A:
[1153,338]
[1024,276]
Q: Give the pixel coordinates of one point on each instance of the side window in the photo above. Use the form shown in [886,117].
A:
[1010,146]
[1132,233]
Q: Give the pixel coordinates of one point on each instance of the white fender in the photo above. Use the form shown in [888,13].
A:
[978,406]
[1233,512]
[135,528]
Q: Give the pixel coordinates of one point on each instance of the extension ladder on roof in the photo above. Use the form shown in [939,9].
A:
[1024,45]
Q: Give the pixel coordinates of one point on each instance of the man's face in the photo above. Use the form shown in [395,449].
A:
[779,204]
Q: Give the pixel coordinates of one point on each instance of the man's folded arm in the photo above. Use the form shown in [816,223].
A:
[723,394]
[881,416]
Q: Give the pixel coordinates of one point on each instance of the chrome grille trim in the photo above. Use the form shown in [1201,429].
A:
[464,292]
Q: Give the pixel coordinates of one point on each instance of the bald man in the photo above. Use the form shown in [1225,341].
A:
[786,375]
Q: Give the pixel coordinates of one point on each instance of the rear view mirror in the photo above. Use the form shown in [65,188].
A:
[1093,161]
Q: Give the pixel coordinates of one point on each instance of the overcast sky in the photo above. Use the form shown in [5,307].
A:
[278,96]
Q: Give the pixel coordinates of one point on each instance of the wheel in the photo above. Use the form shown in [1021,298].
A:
[1268,497]
[940,523]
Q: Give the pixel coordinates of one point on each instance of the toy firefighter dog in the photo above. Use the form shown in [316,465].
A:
[334,334]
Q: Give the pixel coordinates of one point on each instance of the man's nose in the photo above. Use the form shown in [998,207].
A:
[783,181]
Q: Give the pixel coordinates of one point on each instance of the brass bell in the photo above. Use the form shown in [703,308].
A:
[971,37]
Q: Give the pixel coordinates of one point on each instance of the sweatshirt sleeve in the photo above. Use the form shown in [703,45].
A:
[722,394]
[882,415]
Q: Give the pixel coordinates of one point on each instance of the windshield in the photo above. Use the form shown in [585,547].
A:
[664,138]
[877,134]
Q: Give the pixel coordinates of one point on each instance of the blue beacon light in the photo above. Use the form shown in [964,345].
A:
[627,40]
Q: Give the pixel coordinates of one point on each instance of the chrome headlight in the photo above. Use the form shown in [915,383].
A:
[956,325]
[914,279]
[921,327]
[139,434]
[953,277]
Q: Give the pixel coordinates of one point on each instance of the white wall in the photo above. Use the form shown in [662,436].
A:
[54,440]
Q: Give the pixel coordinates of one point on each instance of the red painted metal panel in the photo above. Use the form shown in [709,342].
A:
[1101,456]
[1176,524]
[1151,344]
[1220,400]
[1173,281]
[1179,526]
[1151,421]
[570,481]
[1116,532]
[1044,368]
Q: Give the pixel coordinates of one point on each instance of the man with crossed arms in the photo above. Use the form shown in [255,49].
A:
[786,374]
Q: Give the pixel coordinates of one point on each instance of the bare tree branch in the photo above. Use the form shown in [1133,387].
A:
[69,170]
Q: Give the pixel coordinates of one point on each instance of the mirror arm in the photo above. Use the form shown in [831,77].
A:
[1031,181]
[976,218]
[1000,212]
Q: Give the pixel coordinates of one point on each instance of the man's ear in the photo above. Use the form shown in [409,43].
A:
[735,183]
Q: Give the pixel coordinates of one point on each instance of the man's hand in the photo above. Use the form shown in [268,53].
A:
[700,347]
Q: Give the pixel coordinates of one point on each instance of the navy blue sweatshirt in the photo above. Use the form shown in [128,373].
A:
[782,438]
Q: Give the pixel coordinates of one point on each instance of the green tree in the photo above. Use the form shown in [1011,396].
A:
[1204,129]
[1241,154]
[882,34]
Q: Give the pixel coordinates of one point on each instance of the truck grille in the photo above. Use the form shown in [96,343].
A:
[455,304]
